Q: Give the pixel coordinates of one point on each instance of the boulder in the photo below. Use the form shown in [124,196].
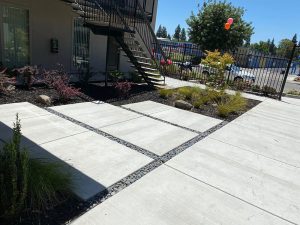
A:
[44,99]
[183,105]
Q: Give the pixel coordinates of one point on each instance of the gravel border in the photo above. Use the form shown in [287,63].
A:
[154,118]
[104,134]
[135,176]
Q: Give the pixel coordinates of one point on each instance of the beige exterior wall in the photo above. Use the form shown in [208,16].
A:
[54,19]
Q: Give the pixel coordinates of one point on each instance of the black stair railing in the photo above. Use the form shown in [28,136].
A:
[128,15]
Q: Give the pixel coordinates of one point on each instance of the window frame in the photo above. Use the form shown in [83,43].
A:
[21,7]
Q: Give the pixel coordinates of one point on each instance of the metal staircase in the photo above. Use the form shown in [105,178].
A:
[128,23]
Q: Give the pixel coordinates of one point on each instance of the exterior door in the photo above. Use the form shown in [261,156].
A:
[113,54]
[14,26]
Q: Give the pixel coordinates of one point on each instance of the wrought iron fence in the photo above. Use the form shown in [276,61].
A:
[252,71]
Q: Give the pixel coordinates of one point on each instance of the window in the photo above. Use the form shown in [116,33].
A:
[15,36]
[81,45]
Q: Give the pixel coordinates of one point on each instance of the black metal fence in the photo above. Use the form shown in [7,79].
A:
[252,71]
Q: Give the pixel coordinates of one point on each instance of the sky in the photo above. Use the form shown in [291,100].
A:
[276,19]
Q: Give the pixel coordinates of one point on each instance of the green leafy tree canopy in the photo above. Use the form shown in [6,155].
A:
[207,27]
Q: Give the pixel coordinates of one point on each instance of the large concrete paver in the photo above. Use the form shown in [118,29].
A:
[96,114]
[263,182]
[152,135]
[273,125]
[168,197]
[277,147]
[41,129]
[24,109]
[176,116]
[95,162]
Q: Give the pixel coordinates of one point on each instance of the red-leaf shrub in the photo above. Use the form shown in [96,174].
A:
[123,88]
[59,81]
[28,74]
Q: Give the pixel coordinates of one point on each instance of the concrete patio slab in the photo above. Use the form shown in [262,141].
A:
[150,134]
[176,116]
[263,182]
[94,161]
[24,109]
[148,107]
[277,147]
[42,129]
[168,197]
[277,110]
[273,125]
[96,115]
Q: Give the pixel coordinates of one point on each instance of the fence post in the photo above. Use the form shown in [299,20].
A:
[287,71]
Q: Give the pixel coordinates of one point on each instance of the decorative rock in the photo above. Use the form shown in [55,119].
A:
[44,99]
[183,105]
[10,88]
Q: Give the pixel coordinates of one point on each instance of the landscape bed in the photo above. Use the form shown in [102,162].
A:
[72,207]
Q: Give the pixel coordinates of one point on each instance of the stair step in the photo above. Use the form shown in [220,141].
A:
[150,74]
[142,57]
[146,68]
[143,63]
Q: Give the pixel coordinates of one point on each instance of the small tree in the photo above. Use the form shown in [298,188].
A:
[294,38]
[159,31]
[285,48]
[177,33]
[14,169]
[169,37]
[207,27]
[164,32]
[218,62]
[183,35]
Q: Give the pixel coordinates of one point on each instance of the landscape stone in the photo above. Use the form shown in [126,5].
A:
[183,105]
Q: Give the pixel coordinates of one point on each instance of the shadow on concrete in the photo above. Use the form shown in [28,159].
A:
[84,187]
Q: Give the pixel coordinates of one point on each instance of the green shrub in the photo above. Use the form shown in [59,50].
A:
[47,183]
[116,75]
[165,93]
[14,169]
[188,92]
[232,104]
[28,184]
[267,90]
[136,78]
[256,88]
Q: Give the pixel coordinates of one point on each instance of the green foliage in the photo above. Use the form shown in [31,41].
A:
[136,78]
[266,47]
[48,183]
[232,104]
[13,175]
[116,75]
[162,32]
[285,48]
[207,27]
[159,31]
[165,93]
[28,184]
[183,35]
[256,88]
[219,62]
[267,90]
[177,33]
[188,92]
